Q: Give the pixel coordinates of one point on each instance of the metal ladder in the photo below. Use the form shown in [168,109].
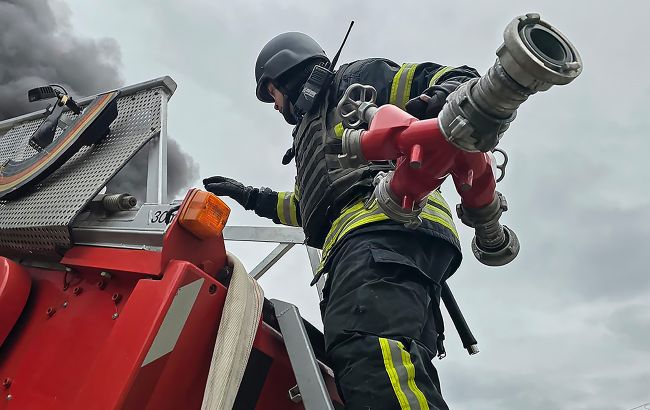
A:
[311,389]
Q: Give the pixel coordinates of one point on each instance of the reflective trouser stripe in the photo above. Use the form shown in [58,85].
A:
[286,209]
[401,373]
[436,210]
[401,87]
[442,71]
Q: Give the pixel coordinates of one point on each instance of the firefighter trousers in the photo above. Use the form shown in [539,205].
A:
[378,303]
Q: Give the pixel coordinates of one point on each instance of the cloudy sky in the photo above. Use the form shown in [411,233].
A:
[564,326]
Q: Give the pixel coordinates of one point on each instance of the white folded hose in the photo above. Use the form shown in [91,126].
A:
[239,322]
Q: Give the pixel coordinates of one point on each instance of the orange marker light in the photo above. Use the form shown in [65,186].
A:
[204,214]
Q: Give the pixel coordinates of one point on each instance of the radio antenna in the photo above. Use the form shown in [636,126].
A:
[338,53]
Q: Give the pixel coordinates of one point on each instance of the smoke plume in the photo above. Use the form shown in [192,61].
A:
[182,170]
[38,47]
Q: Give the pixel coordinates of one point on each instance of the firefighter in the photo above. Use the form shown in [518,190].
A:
[381,298]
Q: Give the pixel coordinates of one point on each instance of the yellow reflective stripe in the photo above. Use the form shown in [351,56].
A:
[441,221]
[395,85]
[286,208]
[336,226]
[410,371]
[339,223]
[401,87]
[293,218]
[392,374]
[363,221]
[280,207]
[409,83]
[338,130]
[357,215]
[439,74]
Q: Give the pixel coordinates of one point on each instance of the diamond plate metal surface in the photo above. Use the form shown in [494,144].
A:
[38,223]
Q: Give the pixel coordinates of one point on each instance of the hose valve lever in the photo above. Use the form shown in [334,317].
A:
[357,106]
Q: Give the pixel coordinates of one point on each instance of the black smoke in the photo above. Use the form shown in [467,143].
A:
[38,47]
[181,171]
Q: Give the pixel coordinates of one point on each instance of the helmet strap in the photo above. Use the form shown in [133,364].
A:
[287,111]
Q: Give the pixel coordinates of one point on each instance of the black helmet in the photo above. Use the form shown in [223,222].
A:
[280,55]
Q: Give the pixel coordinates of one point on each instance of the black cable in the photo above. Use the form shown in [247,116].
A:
[61,87]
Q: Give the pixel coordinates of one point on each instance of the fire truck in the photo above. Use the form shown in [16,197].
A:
[108,302]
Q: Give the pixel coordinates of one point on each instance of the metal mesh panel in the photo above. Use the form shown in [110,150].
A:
[37,223]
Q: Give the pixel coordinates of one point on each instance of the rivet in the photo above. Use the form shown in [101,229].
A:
[212,288]
[6,382]
[76,291]
[9,397]
[101,284]
[116,297]
[50,311]
[115,315]
[105,275]
[65,304]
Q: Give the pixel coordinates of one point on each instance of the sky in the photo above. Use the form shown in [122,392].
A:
[564,326]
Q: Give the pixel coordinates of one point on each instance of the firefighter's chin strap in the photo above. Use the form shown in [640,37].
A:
[240,319]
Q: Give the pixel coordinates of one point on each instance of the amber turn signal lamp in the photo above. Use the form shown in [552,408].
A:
[204,214]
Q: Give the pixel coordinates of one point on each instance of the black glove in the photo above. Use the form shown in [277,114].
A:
[222,186]
[429,104]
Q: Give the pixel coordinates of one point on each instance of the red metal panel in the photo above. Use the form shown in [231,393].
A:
[52,349]
[14,289]
[182,381]
[81,340]
[119,360]
[130,261]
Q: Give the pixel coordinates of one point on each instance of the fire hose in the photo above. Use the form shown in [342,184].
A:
[240,319]
[533,57]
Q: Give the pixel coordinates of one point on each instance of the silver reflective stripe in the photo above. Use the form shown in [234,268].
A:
[401,88]
[287,210]
[402,374]
[174,321]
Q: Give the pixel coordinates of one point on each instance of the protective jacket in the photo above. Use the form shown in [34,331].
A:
[328,201]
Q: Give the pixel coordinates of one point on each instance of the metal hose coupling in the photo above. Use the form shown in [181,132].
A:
[533,57]
[352,156]
[493,244]
[391,206]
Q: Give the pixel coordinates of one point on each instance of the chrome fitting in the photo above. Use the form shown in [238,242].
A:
[392,207]
[493,243]
[352,156]
[533,57]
